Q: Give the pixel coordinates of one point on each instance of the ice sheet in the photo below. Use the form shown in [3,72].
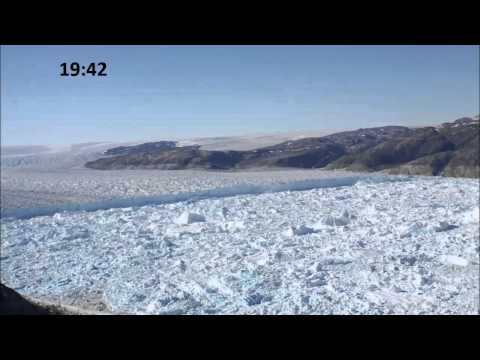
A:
[389,257]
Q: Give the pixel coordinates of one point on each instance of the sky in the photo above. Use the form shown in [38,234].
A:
[170,92]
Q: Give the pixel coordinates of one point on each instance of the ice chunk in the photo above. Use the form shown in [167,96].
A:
[234,226]
[335,221]
[346,214]
[181,265]
[301,230]
[344,219]
[409,230]
[256,299]
[151,307]
[333,261]
[317,280]
[444,226]
[472,216]
[77,233]
[189,218]
[453,260]
[225,211]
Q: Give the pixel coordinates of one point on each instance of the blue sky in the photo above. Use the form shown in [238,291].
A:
[162,92]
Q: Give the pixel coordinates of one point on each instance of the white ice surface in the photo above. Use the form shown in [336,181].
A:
[28,188]
[264,253]
[53,157]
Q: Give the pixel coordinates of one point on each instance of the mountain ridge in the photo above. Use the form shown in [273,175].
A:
[450,149]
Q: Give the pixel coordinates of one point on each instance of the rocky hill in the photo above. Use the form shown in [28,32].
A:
[12,303]
[142,148]
[451,149]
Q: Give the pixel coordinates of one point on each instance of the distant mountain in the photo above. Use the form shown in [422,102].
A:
[451,149]
[142,148]
[175,159]
[459,156]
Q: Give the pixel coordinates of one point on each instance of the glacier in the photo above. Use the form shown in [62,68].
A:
[340,245]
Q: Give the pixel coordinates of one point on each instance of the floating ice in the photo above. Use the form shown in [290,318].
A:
[140,261]
[410,230]
[233,226]
[472,216]
[300,230]
[444,226]
[344,219]
[330,220]
[453,260]
[189,218]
